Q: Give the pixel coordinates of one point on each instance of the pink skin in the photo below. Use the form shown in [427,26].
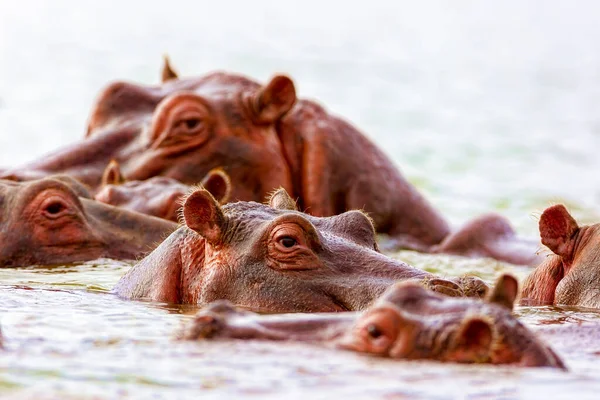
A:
[274,258]
[264,138]
[53,221]
[571,276]
[158,196]
[406,322]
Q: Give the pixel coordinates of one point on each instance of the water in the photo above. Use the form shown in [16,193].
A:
[483,105]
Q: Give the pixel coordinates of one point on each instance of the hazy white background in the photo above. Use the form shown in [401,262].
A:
[483,104]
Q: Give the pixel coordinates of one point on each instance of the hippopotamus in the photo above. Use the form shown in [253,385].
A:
[407,322]
[272,257]
[571,275]
[55,221]
[158,196]
[264,137]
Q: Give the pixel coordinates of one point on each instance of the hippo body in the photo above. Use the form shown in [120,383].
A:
[264,138]
[273,258]
[406,322]
[570,276]
[54,221]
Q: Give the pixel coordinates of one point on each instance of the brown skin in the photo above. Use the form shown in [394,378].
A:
[273,258]
[158,196]
[571,276]
[264,138]
[182,130]
[54,221]
[406,322]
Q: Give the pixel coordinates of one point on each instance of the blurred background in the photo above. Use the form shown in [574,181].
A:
[484,105]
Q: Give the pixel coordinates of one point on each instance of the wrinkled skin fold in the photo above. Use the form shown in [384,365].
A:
[264,138]
[274,258]
[571,275]
[407,322]
[55,221]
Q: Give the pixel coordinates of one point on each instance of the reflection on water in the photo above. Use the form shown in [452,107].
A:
[485,106]
[66,335]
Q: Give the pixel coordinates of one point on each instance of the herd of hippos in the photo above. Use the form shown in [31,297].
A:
[176,176]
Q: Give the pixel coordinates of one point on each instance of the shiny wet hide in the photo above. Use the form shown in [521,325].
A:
[66,336]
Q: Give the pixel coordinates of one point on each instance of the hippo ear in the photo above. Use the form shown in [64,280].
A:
[274,100]
[218,183]
[167,73]
[112,174]
[505,291]
[557,228]
[474,340]
[202,214]
[281,200]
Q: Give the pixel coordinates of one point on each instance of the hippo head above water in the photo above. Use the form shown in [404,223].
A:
[54,221]
[273,258]
[182,129]
[158,196]
[407,322]
[571,276]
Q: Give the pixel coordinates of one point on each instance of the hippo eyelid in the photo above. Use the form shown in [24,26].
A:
[307,227]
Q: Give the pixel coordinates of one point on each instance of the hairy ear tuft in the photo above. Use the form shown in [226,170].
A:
[281,200]
[557,228]
[167,73]
[112,174]
[275,100]
[505,291]
[203,214]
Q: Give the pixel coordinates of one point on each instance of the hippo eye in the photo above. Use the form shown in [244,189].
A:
[190,125]
[374,331]
[288,242]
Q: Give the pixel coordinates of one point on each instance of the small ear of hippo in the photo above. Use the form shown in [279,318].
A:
[275,100]
[167,72]
[474,339]
[504,292]
[557,228]
[218,183]
[112,174]
[202,214]
[281,200]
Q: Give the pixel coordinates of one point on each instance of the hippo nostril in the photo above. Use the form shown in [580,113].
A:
[374,331]
[55,208]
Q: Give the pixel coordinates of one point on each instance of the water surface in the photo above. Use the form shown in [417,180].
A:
[485,106]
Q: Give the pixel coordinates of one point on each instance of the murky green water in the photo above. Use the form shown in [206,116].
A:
[486,106]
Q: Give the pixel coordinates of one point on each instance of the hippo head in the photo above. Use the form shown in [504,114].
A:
[54,221]
[273,258]
[182,129]
[158,196]
[406,322]
[572,274]
[410,322]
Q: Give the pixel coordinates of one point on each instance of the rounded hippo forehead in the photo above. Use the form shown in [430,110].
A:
[120,102]
[412,297]
[125,95]
[251,213]
[63,182]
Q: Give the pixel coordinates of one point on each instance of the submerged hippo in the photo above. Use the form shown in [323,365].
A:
[571,276]
[158,196]
[273,258]
[406,322]
[264,138]
[54,221]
